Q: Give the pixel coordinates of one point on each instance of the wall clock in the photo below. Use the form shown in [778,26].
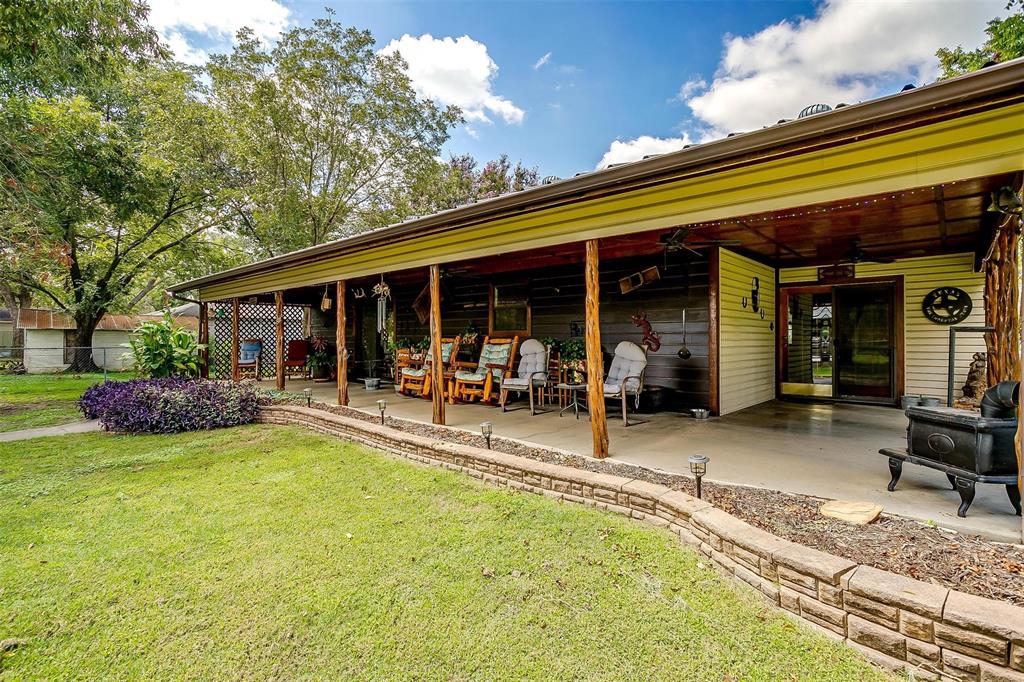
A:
[947,305]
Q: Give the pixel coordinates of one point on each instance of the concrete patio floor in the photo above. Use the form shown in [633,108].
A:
[828,451]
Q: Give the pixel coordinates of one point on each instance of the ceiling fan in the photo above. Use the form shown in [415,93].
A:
[856,254]
[679,240]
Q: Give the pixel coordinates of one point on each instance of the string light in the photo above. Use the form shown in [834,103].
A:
[774,216]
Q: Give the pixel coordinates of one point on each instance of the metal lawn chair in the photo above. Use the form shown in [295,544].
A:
[532,373]
[626,376]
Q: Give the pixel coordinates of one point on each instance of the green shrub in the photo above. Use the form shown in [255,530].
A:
[165,349]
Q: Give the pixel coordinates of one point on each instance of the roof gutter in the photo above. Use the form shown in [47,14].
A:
[988,82]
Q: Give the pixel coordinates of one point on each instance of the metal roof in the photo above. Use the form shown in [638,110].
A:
[990,81]
[40,318]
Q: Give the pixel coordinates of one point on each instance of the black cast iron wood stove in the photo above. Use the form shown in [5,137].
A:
[968,447]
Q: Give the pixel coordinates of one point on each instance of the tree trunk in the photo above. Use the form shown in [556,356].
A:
[79,346]
[1001,305]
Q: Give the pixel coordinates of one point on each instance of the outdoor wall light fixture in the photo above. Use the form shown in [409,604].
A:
[755,295]
[308,392]
[382,405]
[698,467]
[486,429]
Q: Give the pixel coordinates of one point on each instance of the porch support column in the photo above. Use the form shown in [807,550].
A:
[436,367]
[1001,304]
[595,360]
[234,340]
[204,339]
[340,342]
[279,337]
[1019,440]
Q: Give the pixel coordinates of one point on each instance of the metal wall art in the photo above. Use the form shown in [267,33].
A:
[947,305]
[651,338]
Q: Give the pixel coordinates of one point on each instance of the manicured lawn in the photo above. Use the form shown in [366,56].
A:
[263,552]
[28,401]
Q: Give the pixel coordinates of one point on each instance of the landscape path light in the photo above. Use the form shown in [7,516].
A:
[308,392]
[486,429]
[698,467]
[382,405]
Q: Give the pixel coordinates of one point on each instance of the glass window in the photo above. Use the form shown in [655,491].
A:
[510,309]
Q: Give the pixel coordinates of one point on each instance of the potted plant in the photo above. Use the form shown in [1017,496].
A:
[319,360]
[572,353]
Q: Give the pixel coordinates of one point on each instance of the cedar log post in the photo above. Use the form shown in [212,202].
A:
[234,340]
[595,359]
[1001,305]
[436,366]
[340,342]
[279,337]
[1019,440]
[204,339]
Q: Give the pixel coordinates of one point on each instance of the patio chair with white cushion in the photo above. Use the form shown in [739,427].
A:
[483,379]
[416,380]
[626,376]
[531,373]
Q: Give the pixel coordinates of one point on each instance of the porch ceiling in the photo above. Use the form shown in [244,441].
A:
[920,222]
[925,221]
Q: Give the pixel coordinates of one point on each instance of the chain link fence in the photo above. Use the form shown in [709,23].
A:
[57,359]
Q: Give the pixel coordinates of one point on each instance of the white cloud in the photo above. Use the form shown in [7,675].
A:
[638,148]
[542,61]
[455,71]
[213,22]
[847,52]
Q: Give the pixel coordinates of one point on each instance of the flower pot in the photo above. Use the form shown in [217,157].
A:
[371,384]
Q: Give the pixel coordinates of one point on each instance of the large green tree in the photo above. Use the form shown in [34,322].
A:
[50,47]
[110,168]
[326,133]
[102,204]
[458,181]
[1005,41]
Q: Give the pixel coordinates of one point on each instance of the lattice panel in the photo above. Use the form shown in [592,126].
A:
[255,321]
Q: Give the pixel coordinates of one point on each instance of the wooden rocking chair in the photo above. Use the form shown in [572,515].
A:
[482,379]
[416,381]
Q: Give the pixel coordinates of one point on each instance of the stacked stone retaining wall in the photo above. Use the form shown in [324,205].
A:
[895,621]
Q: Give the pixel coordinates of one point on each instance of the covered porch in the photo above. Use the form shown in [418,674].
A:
[826,451]
[821,260]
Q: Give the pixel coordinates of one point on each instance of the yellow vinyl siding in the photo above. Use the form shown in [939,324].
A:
[746,357]
[926,346]
[973,146]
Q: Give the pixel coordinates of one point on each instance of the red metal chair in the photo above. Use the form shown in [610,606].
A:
[295,358]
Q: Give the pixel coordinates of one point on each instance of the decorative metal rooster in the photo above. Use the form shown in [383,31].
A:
[652,339]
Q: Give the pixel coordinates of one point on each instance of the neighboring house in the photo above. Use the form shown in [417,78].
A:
[46,336]
[6,332]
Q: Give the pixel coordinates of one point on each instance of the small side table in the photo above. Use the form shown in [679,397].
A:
[574,403]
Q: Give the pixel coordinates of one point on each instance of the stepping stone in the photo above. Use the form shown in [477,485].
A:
[859,513]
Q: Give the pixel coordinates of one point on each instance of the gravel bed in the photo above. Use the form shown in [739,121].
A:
[962,562]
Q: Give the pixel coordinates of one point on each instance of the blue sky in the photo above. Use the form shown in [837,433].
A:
[620,79]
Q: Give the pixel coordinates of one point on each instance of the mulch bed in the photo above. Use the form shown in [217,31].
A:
[962,562]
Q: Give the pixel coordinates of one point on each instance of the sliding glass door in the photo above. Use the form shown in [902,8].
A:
[838,342]
[864,342]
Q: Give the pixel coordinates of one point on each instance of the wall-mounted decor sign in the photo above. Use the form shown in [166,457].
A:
[947,305]
[639,279]
[837,273]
